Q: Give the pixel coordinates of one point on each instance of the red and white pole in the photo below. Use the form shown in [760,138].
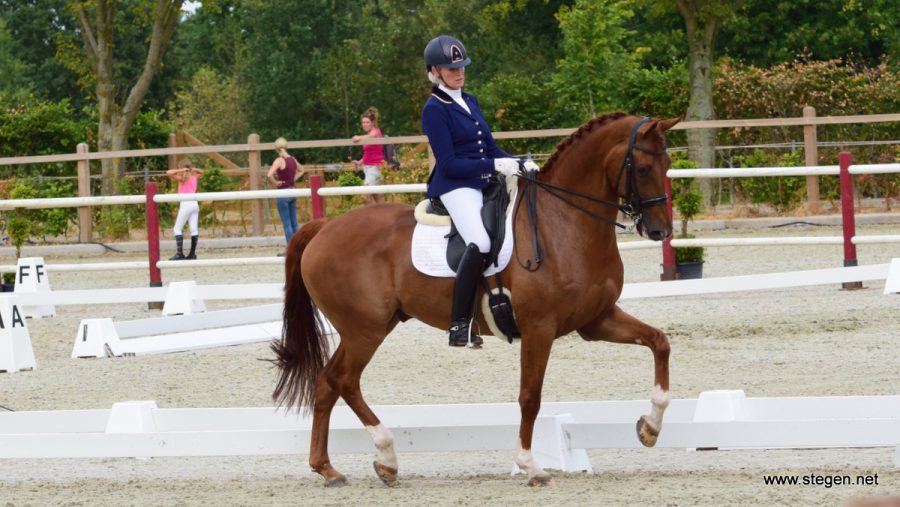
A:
[318,204]
[153,242]
[848,217]
[668,264]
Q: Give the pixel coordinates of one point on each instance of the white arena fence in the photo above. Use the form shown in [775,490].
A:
[563,431]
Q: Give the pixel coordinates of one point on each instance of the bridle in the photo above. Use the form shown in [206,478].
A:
[633,206]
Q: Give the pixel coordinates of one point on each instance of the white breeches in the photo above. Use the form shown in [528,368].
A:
[188,211]
[464,206]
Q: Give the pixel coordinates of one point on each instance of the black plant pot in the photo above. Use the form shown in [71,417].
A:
[8,287]
[689,270]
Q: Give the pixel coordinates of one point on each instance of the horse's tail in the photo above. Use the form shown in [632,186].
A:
[303,348]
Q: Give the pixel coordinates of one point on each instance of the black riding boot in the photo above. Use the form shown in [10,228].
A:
[468,274]
[179,249]
[193,253]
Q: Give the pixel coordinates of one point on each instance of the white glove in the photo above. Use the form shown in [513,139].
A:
[531,166]
[506,166]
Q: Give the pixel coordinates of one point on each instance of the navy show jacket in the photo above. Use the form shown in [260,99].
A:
[464,149]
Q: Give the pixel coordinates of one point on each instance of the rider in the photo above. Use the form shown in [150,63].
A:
[465,157]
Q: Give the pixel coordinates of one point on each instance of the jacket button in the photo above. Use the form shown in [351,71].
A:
[481,150]
[479,141]
[476,123]
[479,132]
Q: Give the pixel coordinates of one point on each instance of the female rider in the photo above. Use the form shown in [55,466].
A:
[465,157]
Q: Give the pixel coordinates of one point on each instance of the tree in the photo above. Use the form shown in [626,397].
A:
[702,19]
[118,108]
[14,87]
[211,109]
[593,35]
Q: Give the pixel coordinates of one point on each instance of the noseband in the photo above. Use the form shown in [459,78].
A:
[633,206]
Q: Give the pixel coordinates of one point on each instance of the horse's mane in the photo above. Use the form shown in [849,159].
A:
[578,134]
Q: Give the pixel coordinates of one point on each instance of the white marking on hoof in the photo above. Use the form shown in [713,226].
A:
[638,341]
[384,442]
[660,401]
[525,461]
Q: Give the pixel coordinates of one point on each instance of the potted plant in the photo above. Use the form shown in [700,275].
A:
[689,203]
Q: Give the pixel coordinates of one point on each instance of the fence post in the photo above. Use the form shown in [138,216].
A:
[253,164]
[153,241]
[668,264]
[812,159]
[318,204]
[85,226]
[849,221]
[172,160]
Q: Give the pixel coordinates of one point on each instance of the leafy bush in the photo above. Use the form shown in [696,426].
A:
[783,193]
[689,203]
[415,171]
[348,202]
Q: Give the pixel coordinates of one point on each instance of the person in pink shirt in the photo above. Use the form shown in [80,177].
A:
[373,154]
[187,177]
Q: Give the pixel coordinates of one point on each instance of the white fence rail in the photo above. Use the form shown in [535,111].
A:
[716,419]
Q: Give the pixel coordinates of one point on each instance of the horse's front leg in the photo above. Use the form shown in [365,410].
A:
[619,327]
[535,354]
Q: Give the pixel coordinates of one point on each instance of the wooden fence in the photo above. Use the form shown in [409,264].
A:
[254,148]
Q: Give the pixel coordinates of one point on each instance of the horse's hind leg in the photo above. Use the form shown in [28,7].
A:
[619,327]
[326,396]
[341,378]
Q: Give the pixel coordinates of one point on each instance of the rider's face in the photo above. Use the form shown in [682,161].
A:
[366,124]
[452,78]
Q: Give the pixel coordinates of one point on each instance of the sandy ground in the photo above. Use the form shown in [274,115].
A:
[795,342]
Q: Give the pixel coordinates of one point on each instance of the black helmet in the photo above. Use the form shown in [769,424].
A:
[445,51]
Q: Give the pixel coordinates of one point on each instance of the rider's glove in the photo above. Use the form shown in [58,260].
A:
[506,166]
[531,166]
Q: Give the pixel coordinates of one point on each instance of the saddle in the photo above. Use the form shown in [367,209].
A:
[496,200]
[493,215]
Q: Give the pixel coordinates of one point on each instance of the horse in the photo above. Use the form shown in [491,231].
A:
[572,285]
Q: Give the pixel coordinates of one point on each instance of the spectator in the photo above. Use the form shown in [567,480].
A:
[373,154]
[285,171]
[187,177]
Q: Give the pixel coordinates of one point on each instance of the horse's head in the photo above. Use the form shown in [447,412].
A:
[641,178]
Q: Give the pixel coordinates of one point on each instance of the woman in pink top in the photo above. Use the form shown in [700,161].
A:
[188,211]
[373,154]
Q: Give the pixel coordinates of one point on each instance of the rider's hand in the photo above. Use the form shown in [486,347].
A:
[531,166]
[506,166]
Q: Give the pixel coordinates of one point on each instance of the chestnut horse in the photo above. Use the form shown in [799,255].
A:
[357,269]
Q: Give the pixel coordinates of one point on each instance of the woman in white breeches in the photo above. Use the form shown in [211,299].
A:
[187,177]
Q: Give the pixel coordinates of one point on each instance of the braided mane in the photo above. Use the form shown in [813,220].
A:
[578,134]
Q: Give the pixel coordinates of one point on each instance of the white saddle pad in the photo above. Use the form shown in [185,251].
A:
[429,248]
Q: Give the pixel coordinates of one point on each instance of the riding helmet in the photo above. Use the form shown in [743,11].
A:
[447,52]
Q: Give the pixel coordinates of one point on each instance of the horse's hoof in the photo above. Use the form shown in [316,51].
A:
[336,482]
[387,475]
[646,434]
[542,481]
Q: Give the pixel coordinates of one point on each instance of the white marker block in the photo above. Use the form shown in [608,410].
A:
[180,299]
[892,283]
[721,405]
[131,417]
[15,342]
[96,338]
[31,277]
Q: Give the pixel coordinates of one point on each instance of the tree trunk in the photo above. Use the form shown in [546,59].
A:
[701,34]
[116,119]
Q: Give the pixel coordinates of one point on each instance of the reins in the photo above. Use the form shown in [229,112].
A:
[633,207]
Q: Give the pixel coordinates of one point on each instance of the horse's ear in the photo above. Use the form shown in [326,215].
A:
[665,125]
